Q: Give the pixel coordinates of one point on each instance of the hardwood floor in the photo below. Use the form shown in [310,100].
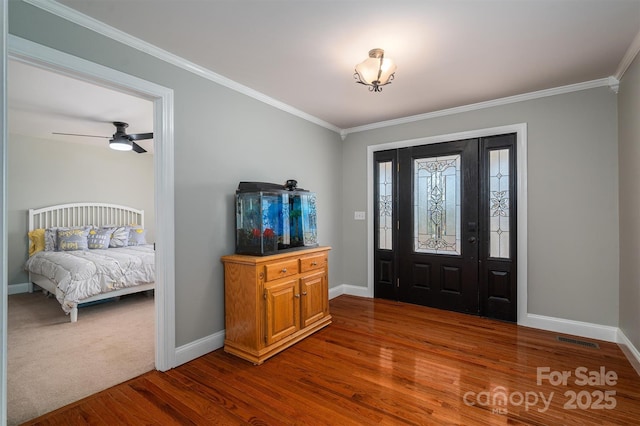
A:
[386,363]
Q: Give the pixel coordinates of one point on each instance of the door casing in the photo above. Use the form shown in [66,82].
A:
[521,190]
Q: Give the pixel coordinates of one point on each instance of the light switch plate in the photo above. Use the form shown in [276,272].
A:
[359,216]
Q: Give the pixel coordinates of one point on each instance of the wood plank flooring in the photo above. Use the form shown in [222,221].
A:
[384,363]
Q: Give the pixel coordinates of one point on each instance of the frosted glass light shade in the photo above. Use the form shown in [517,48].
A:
[376,70]
[121,144]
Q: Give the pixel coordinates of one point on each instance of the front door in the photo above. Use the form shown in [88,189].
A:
[443,232]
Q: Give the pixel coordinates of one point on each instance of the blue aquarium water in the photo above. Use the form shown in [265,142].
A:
[271,218]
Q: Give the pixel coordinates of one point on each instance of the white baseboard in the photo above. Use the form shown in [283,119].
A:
[203,346]
[576,328]
[336,291]
[207,344]
[199,347]
[18,288]
[352,290]
[629,350]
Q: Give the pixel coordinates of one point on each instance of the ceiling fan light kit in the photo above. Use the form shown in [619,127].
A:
[375,71]
[121,144]
[120,141]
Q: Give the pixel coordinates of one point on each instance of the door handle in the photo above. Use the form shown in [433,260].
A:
[472,240]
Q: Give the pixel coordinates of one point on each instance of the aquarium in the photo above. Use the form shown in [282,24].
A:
[272,218]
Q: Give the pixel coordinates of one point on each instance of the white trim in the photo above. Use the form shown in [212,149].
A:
[614,84]
[627,59]
[541,322]
[199,347]
[45,57]
[575,328]
[18,288]
[352,290]
[521,184]
[336,291]
[630,351]
[4,29]
[141,45]
[215,341]
[482,105]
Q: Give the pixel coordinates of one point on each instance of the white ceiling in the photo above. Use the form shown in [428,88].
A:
[449,52]
[43,102]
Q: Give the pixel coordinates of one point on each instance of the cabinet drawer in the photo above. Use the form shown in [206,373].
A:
[316,261]
[282,269]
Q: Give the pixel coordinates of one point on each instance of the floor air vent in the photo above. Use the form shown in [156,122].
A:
[578,342]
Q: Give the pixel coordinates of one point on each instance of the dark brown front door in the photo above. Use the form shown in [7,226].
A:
[444,222]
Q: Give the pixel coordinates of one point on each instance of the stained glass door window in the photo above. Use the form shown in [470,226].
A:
[436,199]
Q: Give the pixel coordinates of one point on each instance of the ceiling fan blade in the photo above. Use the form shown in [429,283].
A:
[140,136]
[76,134]
[137,148]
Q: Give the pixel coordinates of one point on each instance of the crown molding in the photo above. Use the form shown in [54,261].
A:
[99,27]
[482,105]
[627,59]
[614,84]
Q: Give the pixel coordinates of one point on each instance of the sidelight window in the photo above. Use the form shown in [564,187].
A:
[499,203]
[385,205]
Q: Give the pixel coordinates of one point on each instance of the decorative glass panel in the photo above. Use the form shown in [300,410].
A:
[385,205]
[499,203]
[436,198]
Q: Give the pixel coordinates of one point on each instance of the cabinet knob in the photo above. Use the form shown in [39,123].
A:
[314,263]
[284,270]
[304,293]
[297,295]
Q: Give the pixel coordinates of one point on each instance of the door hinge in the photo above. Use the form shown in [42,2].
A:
[398,225]
[398,167]
[265,294]
[398,282]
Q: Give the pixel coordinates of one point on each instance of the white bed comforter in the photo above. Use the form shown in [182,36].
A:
[81,274]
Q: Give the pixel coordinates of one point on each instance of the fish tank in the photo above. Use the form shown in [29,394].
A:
[272,218]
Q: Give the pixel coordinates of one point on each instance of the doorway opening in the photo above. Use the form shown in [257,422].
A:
[162,98]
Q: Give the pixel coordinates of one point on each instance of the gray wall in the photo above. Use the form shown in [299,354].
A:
[573,198]
[629,129]
[221,138]
[44,172]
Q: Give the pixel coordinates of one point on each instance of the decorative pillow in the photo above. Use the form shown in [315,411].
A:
[137,236]
[120,237]
[73,239]
[36,241]
[51,239]
[99,238]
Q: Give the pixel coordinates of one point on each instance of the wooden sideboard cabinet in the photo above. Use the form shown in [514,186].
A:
[272,302]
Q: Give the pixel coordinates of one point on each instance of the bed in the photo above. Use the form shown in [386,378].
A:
[77,275]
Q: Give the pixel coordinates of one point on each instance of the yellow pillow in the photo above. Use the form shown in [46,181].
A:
[36,241]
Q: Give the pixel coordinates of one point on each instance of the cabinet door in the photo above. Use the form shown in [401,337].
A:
[315,299]
[282,309]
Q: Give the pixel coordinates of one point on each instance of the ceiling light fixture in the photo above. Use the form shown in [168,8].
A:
[376,71]
[120,143]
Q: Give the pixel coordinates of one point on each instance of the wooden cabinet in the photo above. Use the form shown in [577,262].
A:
[272,302]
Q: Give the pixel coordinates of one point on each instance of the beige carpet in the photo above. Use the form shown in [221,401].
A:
[52,362]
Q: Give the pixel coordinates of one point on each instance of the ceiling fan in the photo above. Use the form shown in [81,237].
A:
[120,140]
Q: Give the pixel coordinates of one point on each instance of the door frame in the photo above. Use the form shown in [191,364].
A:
[520,130]
[54,60]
